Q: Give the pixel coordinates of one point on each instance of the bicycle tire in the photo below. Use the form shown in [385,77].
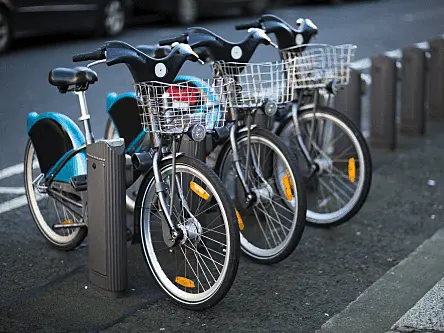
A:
[231,263]
[354,131]
[299,224]
[73,241]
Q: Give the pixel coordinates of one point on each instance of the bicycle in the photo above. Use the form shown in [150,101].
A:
[276,193]
[303,122]
[169,228]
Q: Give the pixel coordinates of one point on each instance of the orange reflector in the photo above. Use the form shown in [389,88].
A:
[67,222]
[352,169]
[239,221]
[286,180]
[199,191]
[183,281]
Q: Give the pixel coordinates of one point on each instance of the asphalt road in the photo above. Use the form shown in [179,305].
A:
[44,290]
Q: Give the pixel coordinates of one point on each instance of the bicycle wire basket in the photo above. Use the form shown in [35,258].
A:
[317,65]
[175,108]
[256,83]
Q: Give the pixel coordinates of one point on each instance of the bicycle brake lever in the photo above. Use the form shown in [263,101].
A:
[201,61]
[274,45]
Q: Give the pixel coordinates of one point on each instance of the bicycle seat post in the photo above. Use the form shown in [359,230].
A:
[85,117]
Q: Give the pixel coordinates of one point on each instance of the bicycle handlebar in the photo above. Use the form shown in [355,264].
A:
[183,38]
[98,54]
[142,66]
[245,26]
[286,35]
[211,46]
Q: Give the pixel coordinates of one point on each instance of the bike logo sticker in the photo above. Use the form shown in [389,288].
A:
[160,70]
[299,39]
[236,52]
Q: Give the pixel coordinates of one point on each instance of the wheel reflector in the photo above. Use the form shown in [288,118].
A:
[199,191]
[184,282]
[352,169]
[239,221]
[286,180]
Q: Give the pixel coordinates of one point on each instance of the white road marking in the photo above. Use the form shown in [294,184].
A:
[12,190]
[15,170]
[361,64]
[21,200]
[13,204]
[366,63]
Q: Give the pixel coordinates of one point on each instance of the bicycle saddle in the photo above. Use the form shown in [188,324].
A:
[154,51]
[63,78]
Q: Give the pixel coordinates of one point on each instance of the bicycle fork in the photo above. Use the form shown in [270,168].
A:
[302,146]
[250,195]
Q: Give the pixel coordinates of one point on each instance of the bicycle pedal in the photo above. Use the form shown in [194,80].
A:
[79,183]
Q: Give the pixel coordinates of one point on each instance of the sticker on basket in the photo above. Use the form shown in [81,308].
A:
[160,70]
[239,220]
[199,190]
[352,170]
[184,282]
[184,94]
[236,52]
[67,222]
[286,180]
[299,39]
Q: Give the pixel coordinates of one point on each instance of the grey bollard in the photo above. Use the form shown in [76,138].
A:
[383,103]
[413,120]
[436,78]
[348,99]
[107,249]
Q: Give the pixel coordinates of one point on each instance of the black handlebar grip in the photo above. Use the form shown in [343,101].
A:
[98,54]
[179,39]
[245,26]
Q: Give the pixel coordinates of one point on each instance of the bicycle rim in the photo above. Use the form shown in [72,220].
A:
[183,282]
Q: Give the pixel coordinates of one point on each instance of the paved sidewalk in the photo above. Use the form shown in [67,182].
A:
[391,297]
[427,315]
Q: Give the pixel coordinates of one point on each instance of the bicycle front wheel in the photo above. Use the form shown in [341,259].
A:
[199,270]
[340,186]
[273,224]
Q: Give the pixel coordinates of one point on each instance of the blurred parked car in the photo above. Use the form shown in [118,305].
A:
[37,17]
[188,11]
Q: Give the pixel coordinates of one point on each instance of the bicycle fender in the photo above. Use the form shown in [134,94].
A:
[54,136]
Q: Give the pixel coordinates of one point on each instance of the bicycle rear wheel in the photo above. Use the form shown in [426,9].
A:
[273,225]
[199,270]
[47,211]
[340,187]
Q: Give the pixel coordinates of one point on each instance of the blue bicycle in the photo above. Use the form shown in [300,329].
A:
[189,230]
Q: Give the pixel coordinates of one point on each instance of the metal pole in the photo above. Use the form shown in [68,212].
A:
[436,77]
[383,103]
[413,120]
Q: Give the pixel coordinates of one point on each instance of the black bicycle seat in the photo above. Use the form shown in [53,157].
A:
[154,51]
[63,78]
